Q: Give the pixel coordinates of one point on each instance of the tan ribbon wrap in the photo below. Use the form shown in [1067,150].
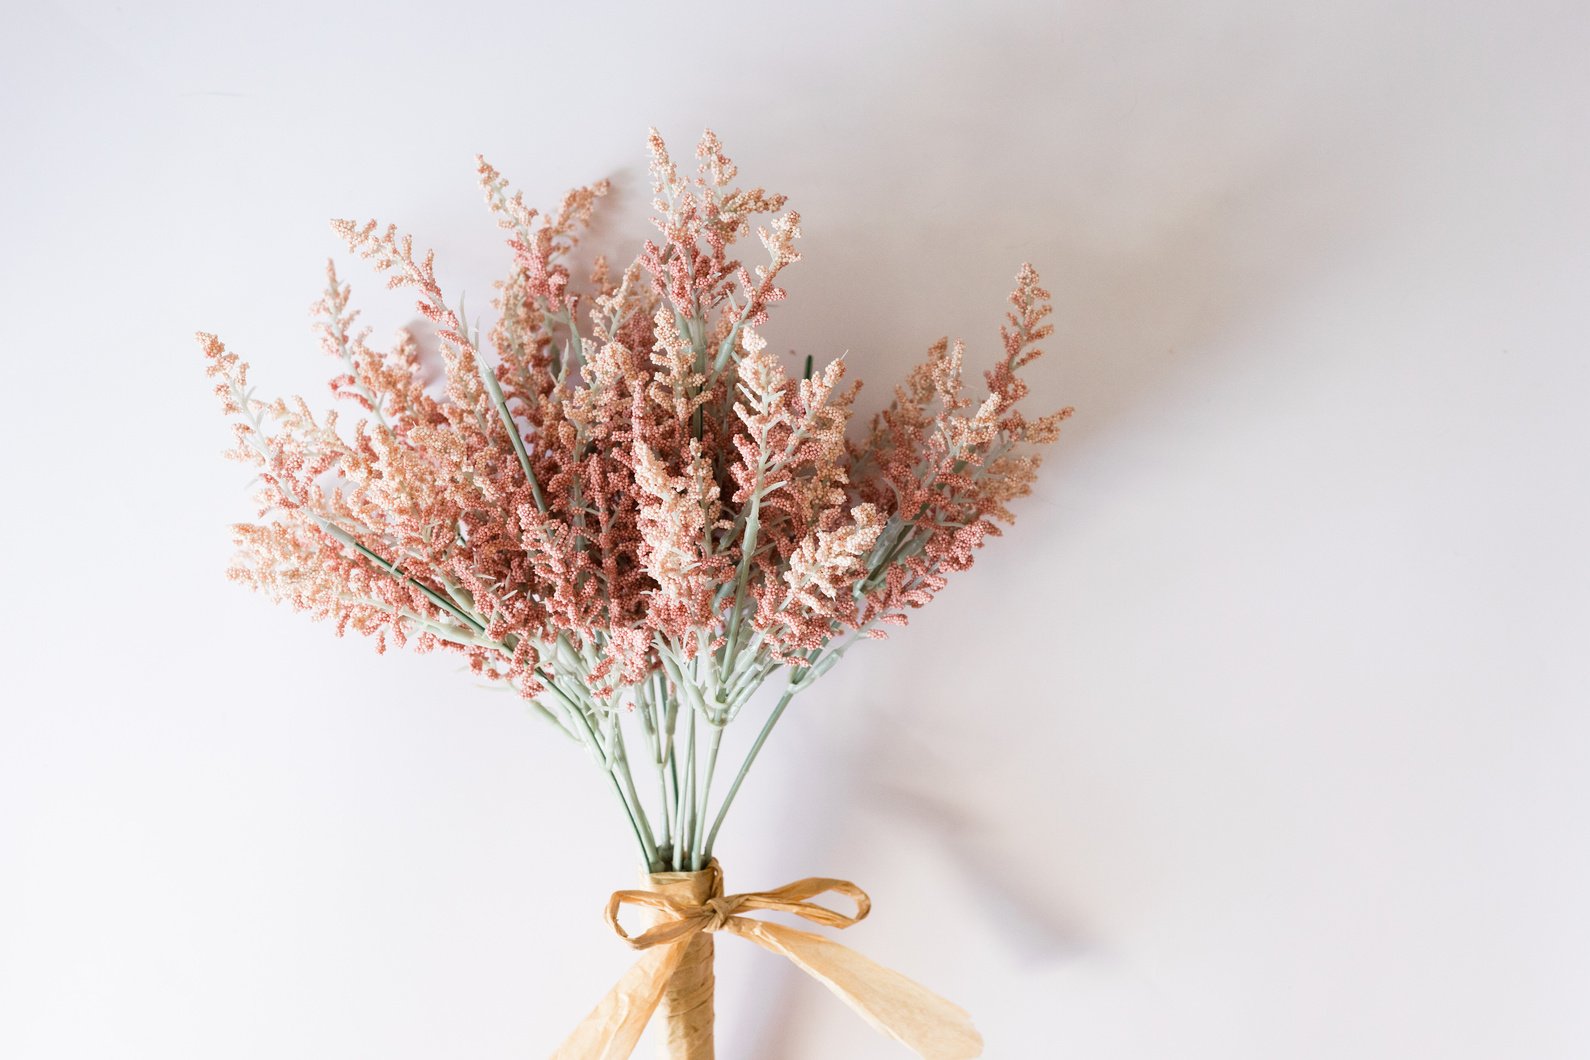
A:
[687,1000]
[688,906]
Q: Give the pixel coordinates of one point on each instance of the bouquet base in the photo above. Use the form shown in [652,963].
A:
[687,1001]
[674,973]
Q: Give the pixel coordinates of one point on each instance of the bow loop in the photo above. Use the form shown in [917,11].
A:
[678,919]
[795,898]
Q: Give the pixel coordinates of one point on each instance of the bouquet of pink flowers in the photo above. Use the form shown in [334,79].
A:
[635,514]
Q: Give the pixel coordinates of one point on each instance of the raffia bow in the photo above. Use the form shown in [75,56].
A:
[897,1006]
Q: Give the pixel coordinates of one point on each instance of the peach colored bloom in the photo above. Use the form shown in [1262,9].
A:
[619,502]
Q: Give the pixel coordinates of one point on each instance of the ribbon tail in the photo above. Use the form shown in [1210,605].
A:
[614,1026]
[902,1008]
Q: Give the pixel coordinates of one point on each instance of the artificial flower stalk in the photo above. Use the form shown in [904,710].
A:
[629,510]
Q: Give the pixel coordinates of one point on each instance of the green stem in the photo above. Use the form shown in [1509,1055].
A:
[745,767]
[684,834]
[651,713]
[637,812]
[698,855]
[588,735]
[667,810]
[673,793]
[494,390]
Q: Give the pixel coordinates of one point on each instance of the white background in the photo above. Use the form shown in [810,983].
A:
[1262,734]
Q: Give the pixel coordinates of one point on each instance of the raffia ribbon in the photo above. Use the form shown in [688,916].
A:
[899,1007]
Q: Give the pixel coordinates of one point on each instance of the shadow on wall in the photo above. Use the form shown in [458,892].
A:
[1165,211]
[1164,206]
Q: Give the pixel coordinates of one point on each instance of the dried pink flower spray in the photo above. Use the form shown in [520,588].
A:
[628,510]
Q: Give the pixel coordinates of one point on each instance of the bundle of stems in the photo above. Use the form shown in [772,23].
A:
[628,510]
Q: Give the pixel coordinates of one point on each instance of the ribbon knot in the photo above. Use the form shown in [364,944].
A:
[895,1005]
[722,909]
